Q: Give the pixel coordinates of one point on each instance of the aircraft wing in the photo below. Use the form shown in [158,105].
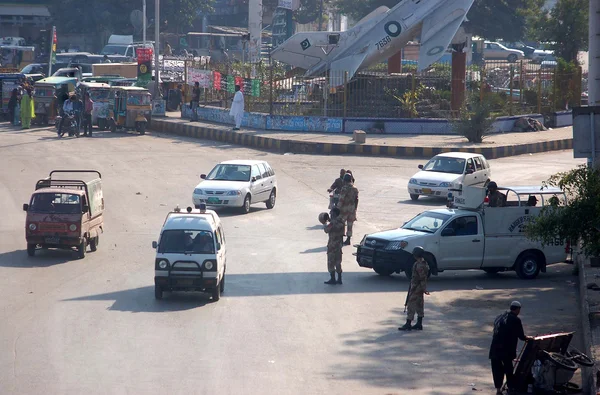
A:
[439,29]
[348,64]
[304,50]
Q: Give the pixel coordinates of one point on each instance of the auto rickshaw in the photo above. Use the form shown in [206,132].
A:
[99,93]
[47,97]
[8,82]
[130,107]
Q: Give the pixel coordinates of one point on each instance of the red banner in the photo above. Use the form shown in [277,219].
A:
[144,55]
[240,82]
[217,80]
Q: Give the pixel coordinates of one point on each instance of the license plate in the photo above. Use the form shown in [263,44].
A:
[52,240]
[426,190]
[214,200]
[185,282]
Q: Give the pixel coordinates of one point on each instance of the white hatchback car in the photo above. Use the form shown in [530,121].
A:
[237,183]
[446,170]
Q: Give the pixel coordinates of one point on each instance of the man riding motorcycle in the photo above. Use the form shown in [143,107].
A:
[71,108]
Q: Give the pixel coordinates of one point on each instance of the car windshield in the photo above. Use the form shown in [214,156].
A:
[227,172]
[114,50]
[186,241]
[61,203]
[43,91]
[427,222]
[138,100]
[444,164]
[99,94]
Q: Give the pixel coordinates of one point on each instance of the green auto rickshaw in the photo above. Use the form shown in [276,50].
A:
[130,107]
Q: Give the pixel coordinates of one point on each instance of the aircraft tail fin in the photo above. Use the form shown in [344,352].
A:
[439,29]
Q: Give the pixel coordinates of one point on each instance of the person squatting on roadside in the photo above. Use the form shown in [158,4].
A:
[418,288]
[348,205]
[335,230]
[508,329]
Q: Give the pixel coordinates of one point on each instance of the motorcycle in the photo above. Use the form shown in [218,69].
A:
[70,125]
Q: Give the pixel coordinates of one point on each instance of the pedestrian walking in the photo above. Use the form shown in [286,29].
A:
[13,103]
[348,205]
[237,107]
[27,109]
[335,230]
[418,288]
[88,106]
[508,329]
[195,100]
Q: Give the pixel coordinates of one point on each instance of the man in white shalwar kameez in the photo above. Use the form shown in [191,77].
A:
[237,108]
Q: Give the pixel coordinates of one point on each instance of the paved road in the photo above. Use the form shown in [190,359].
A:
[92,326]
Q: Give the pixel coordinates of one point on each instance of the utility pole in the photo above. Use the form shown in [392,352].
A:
[594,69]
[156,47]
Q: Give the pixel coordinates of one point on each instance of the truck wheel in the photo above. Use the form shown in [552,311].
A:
[140,127]
[158,292]
[383,272]
[31,249]
[216,293]
[512,58]
[414,197]
[81,248]
[94,243]
[528,266]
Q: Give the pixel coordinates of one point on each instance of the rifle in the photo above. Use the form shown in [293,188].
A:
[407,296]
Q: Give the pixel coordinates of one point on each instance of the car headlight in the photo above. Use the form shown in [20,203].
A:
[396,245]
[208,265]
[198,191]
[163,264]
[445,184]
[413,181]
[32,226]
[234,193]
[73,227]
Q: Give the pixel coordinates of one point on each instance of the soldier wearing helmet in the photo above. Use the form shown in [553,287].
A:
[418,288]
[335,230]
[348,204]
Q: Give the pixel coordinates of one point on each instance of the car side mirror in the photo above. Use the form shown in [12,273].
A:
[25,207]
[253,179]
[203,176]
[448,232]
[85,208]
[218,246]
[420,167]
[154,245]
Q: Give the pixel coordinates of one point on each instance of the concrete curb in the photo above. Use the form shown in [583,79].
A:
[588,377]
[307,147]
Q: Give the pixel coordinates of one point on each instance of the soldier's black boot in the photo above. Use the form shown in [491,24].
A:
[347,242]
[419,325]
[406,326]
[332,279]
[339,281]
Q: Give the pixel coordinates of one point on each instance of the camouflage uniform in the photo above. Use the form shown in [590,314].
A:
[496,199]
[335,229]
[348,204]
[418,286]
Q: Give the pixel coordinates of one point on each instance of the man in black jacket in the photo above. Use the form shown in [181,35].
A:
[508,329]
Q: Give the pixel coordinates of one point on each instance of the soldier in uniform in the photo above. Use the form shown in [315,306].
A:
[418,288]
[335,230]
[348,205]
[496,199]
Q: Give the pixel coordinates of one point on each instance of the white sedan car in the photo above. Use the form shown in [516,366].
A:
[445,170]
[237,183]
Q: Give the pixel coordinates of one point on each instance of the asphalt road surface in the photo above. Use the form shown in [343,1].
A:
[92,326]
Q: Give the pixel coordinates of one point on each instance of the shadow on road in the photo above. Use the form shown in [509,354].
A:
[43,258]
[433,202]
[314,250]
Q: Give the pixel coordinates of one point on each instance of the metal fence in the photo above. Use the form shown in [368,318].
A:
[513,88]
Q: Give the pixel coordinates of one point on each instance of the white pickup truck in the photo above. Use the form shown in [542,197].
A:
[468,235]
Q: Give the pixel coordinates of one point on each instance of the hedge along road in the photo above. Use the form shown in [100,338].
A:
[93,326]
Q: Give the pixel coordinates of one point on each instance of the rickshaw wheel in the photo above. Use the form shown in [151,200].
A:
[113,126]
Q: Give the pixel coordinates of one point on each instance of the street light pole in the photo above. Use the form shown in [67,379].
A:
[144,22]
[594,70]
[156,46]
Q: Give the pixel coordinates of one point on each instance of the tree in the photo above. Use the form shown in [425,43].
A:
[491,19]
[576,221]
[567,26]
